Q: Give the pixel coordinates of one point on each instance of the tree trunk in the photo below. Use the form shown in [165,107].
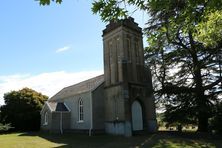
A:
[202,123]
[179,128]
[203,110]
[201,99]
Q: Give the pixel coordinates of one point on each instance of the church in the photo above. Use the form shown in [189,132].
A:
[120,102]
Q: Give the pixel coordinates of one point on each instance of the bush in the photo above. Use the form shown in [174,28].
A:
[22,109]
[5,127]
[215,122]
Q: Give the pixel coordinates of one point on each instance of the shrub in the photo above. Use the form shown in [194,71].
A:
[22,109]
[5,127]
[215,122]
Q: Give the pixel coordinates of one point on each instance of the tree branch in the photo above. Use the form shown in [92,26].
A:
[213,84]
[173,89]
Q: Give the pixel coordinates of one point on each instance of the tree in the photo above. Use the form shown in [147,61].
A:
[22,109]
[185,43]
[180,113]
[184,49]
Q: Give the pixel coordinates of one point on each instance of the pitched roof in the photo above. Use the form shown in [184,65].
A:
[85,86]
[57,106]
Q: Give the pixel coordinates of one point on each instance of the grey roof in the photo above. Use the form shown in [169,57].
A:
[57,106]
[85,86]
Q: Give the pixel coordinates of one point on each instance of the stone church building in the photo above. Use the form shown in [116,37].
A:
[120,102]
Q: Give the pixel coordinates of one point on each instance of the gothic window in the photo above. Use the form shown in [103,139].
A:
[116,58]
[137,51]
[81,110]
[110,52]
[46,118]
[117,48]
[128,48]
[138,73]
[111,70]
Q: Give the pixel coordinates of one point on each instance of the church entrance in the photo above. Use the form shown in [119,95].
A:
[137,116]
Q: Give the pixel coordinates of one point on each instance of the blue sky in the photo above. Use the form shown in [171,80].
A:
[30,35]
[49,47]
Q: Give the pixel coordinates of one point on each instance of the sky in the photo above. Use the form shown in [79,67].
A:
[47,48]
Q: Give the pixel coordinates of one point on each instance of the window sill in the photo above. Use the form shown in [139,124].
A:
[80,121]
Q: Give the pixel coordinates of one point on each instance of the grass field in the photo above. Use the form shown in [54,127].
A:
[158,140]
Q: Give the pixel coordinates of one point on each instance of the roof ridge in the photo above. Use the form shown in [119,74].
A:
[84,86]
[84,81]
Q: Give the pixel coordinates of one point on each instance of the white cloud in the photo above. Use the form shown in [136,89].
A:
[46,83]
[63,49]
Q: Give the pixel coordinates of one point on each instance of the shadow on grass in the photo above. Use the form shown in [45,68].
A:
[186,139]
[158,140]
[84,141]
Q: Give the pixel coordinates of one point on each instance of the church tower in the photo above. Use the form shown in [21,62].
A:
[129,100]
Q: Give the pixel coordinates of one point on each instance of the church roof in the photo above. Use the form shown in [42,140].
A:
[85,86]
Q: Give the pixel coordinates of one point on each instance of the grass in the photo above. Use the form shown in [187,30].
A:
[158,140]
[17,140]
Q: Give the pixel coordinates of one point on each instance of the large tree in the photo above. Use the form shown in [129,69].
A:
[185,40]
[22,109]
[184,50]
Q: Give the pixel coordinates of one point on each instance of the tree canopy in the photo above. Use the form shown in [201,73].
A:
[47,2]
[22,109]
[184,52]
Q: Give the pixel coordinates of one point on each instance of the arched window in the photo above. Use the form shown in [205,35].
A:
[80,110]
[128,49]
[46,118]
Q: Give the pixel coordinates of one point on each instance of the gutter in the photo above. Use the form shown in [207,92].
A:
[61,129]
[91,115]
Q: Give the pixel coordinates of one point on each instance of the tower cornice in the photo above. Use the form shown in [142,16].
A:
[128,23]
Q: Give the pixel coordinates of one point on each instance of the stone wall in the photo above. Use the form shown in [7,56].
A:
[98,108]
[73,103]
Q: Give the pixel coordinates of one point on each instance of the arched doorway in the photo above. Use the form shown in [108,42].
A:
[137,116]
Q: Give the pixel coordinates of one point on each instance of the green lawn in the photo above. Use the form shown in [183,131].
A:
[158,140]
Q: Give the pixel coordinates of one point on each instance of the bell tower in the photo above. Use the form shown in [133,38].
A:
[129,100]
